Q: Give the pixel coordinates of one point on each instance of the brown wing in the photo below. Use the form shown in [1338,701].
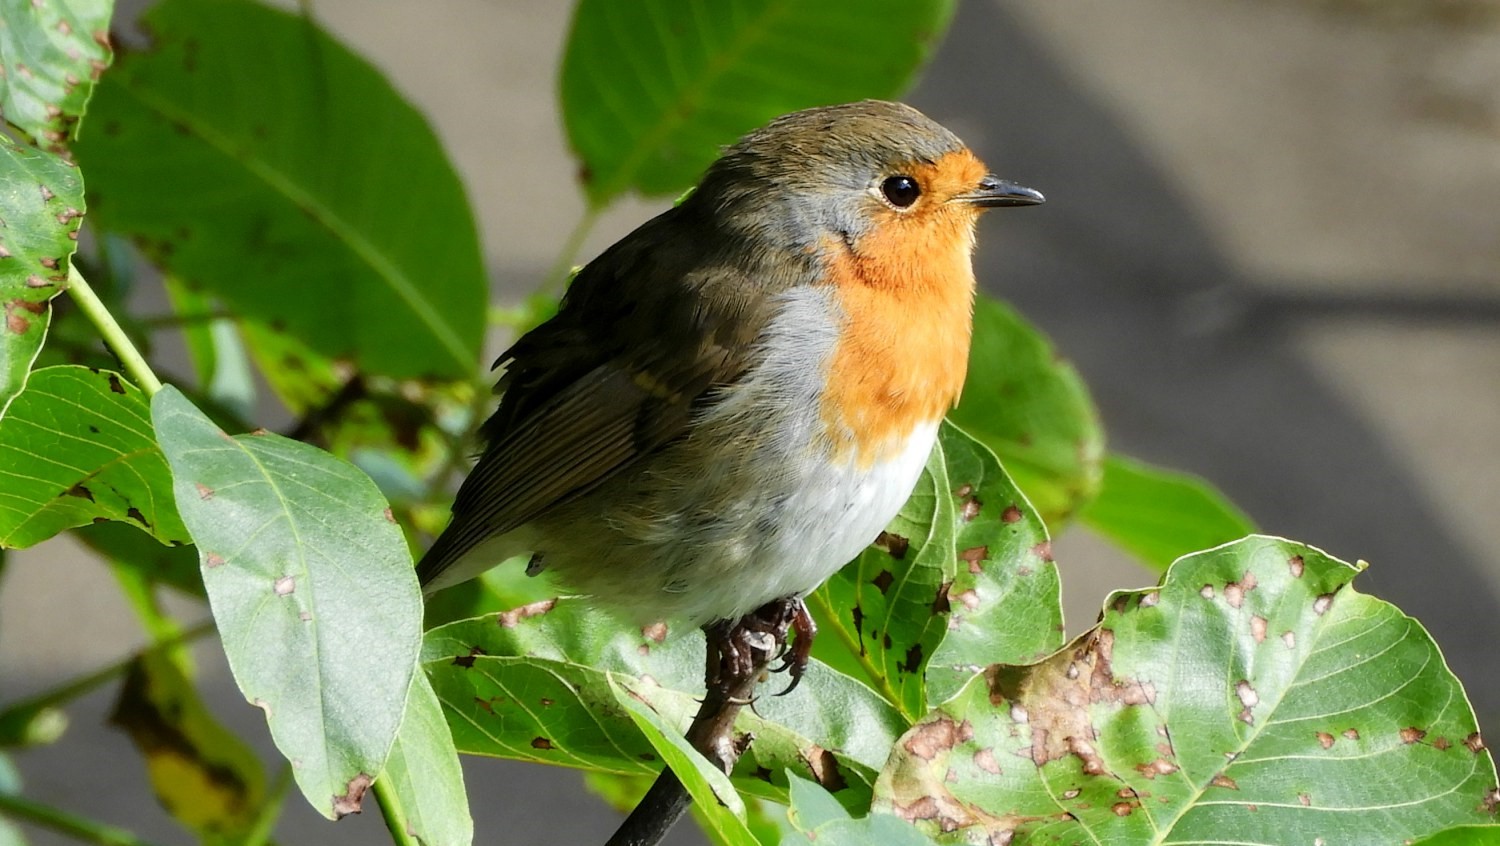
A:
[644,334]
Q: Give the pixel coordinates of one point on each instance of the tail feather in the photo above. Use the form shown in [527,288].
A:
[436,560]
[460,554]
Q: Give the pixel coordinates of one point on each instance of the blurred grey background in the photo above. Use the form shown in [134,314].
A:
[1271,244]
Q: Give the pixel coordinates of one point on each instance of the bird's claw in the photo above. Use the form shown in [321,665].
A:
[736,649]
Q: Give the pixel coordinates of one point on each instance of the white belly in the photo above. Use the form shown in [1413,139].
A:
[758,503]
[836,511]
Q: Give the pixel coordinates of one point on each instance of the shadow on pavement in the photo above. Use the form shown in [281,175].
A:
[1191,366]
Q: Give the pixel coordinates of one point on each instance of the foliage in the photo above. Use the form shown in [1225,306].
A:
[650,91]
[285,236]
[1253,693]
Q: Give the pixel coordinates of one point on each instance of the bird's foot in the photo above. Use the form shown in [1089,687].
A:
[737,649]
[794,660]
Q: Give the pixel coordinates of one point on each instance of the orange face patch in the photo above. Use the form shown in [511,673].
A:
[907,291]
[955,173]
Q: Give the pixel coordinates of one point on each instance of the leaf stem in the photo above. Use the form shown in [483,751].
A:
[172,321]
[89,303]
[46,816]
[557,276]
[18,714]
[393,814]
[260,831]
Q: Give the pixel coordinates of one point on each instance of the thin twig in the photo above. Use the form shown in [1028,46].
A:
[56,819]
[353,390]
[552,283]
[18,713]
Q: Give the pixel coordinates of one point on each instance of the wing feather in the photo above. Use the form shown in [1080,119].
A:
[644,335]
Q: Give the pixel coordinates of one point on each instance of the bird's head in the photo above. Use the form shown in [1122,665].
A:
[874,179]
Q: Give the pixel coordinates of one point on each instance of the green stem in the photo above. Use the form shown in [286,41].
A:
[552,284]
[270,811]
[140,592]
[71,690]
[174,321]
[878,679]
[46,816]
[131,358]
[393,814]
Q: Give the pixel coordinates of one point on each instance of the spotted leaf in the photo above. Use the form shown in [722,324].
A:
[1253,692]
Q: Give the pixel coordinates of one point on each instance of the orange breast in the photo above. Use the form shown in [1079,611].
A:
[907,292]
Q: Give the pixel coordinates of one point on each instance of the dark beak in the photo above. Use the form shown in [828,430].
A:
[994,193]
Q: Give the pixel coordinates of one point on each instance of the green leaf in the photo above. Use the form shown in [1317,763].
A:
[765,819]
[810,805]
[883,829]
[535,687]
[402,434]
[817,819]
[1463,835]
[22,726]
[77,447]
[10,835]
[724,810]
[1031,407]
[203,774]
[1158,515]
[314,197]
[1253,694]
[312,588]
[41,206]
[50,54]
[214,347]
[966,561]
[651,90]
[1005,597]
[497,589]
[10,784]
[425,774]
[300,376]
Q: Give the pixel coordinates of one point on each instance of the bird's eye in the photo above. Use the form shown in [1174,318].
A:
[901,191]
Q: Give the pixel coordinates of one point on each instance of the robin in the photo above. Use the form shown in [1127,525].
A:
[737,397]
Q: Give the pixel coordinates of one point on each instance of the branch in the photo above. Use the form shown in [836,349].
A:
[712,734]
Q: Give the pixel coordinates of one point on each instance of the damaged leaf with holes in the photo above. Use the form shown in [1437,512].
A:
[1255,691]
[532,684]
[41,207]
[76,448]
[1005,599]
[963,576]
[51,53]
